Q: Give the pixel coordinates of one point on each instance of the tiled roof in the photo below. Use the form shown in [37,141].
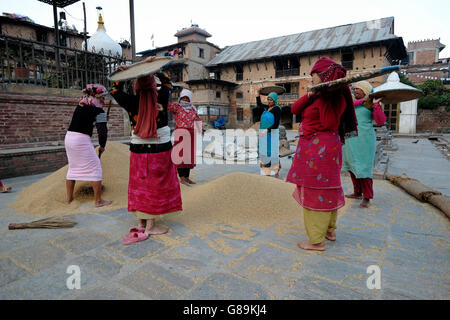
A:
[310,41]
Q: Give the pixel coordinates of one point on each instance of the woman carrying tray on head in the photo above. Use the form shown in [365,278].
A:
[327,118]
[153,189]
[186,118]
[269,134]
[84,163]
[359,152]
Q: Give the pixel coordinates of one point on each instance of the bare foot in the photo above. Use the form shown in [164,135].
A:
[184,181]
[157,230]
[5,189]
[365,203]
[103,203]
[306,245]
[331,236]
[190,181]
[353,196]
[69,201]
[142,223]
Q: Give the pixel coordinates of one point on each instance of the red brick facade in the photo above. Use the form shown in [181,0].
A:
[37,120]
[32,130]
[433,120]
[425,52]
[29,162]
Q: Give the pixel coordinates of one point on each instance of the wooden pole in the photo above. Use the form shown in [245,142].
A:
[55,19]
[85,27]
[133,38]
[353,78]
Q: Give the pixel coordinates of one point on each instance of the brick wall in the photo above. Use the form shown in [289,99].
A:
[420,78]
[432,120]
[32,161]
[426,57]
[34,120]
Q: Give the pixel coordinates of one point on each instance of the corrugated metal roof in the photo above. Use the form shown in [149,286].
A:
[311,41]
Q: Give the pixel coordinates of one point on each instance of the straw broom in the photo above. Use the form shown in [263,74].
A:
[47,223]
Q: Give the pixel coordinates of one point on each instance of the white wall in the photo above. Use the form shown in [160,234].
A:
[408,117]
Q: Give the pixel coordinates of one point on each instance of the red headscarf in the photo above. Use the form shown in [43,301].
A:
[329,70]
[148,110]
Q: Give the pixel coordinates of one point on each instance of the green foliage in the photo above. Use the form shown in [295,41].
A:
[429,102]
[445,99]
[54,80]
[404,79]
[435,95]
[433,88]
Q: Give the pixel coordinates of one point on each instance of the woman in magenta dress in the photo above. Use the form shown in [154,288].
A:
[327,118]
[186,120]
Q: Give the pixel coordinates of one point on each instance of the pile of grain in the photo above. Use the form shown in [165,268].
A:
[236,199]
[48,196]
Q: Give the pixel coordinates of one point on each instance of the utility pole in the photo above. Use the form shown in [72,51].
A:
[85,28]
[55,19]
[133,38]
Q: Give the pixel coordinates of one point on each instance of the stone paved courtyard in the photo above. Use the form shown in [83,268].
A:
[407,239]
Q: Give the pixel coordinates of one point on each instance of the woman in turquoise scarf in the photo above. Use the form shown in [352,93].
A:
[269,135]
[359,152]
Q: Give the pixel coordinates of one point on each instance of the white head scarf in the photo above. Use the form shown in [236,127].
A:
[187,106]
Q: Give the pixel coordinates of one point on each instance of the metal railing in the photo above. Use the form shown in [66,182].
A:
[288,96]
[41,64]
[287,73]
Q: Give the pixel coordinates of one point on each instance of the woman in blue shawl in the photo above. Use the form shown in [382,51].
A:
[269,134]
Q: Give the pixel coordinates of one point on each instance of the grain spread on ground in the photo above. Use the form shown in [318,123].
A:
[238,198]
[231,206]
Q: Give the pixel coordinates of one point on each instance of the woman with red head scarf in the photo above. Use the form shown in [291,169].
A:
[327,118]
[153,187]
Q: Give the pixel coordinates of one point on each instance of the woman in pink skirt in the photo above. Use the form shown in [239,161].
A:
[84,163]
[153,188]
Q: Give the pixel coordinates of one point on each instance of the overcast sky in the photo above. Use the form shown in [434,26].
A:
[237,21]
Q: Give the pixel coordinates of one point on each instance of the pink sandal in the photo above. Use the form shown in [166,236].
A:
[134,230]
[135,237]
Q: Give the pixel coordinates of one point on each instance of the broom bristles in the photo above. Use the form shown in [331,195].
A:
[47,223]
